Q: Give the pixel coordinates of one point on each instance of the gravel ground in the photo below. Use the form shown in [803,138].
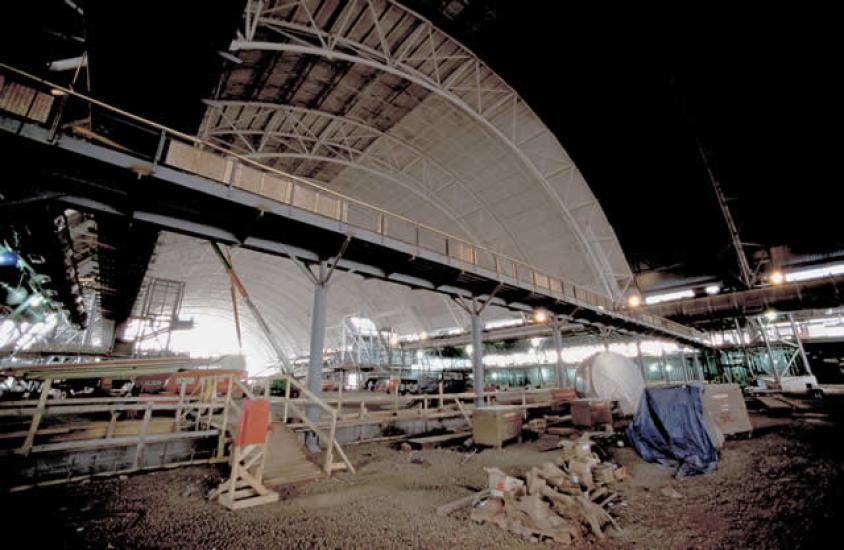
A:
[782,488]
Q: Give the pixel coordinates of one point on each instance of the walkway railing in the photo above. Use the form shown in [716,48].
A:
[72,425]
[162,145]
[298,406]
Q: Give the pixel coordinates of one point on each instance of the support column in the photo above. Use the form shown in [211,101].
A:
[317,340]
[477,354]
[562,379]
[641,361]
[763,330]
[799,343]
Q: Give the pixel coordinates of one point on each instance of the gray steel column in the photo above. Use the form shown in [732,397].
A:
[641,361]
[477,354]
[562,379]
[317,340]
[799,344]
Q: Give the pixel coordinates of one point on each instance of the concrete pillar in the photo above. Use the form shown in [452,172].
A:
[477,355]
[317,340]
[558,350]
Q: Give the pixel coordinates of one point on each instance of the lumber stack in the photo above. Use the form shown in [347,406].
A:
[562,501]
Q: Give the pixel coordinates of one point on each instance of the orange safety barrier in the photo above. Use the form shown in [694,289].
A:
[254,423]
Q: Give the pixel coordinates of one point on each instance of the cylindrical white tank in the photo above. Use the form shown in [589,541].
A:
[608,375]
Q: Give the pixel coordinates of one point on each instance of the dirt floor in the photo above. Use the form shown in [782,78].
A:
[781,488]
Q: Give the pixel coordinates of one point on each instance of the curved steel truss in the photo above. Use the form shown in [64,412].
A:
[268,131]
[386,36]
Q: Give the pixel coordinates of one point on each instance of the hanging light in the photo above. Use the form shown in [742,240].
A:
[634,300]
[776,277]
[540,316]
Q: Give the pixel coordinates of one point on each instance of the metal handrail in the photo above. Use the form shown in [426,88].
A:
[330,438]
[577,295]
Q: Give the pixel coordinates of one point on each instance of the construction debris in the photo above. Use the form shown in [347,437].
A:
[537,425]
[560,501]
[455,505]
[671,492]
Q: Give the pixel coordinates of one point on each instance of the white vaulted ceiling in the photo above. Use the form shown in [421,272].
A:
[371,100]
[283,295]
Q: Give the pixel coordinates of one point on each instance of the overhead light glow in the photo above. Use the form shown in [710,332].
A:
[502,323]
[770,315]
[668,368]
[652,368]
[423,335]
[56,92]
[669,296]
[540,315]
[776,278]
[712,289]
[634,300]
[7,257]
[815,273]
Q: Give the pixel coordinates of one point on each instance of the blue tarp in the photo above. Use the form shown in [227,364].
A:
[669,429]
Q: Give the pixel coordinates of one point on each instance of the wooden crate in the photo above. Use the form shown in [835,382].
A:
[494,425]
[589,412]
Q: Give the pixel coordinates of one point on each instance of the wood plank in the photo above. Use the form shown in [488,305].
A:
[119,441]
[231,504]
[436,440]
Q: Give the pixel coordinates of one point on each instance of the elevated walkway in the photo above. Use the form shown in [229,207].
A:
[177,182]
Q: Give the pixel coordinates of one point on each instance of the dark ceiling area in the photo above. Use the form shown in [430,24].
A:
[629,95]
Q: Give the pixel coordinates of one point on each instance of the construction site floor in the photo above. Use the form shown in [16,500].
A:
[781,488]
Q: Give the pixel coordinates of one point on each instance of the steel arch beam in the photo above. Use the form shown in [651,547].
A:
[431,59]
[339,130]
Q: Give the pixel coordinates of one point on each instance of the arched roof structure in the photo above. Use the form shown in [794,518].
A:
[283,295]
[372,100]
